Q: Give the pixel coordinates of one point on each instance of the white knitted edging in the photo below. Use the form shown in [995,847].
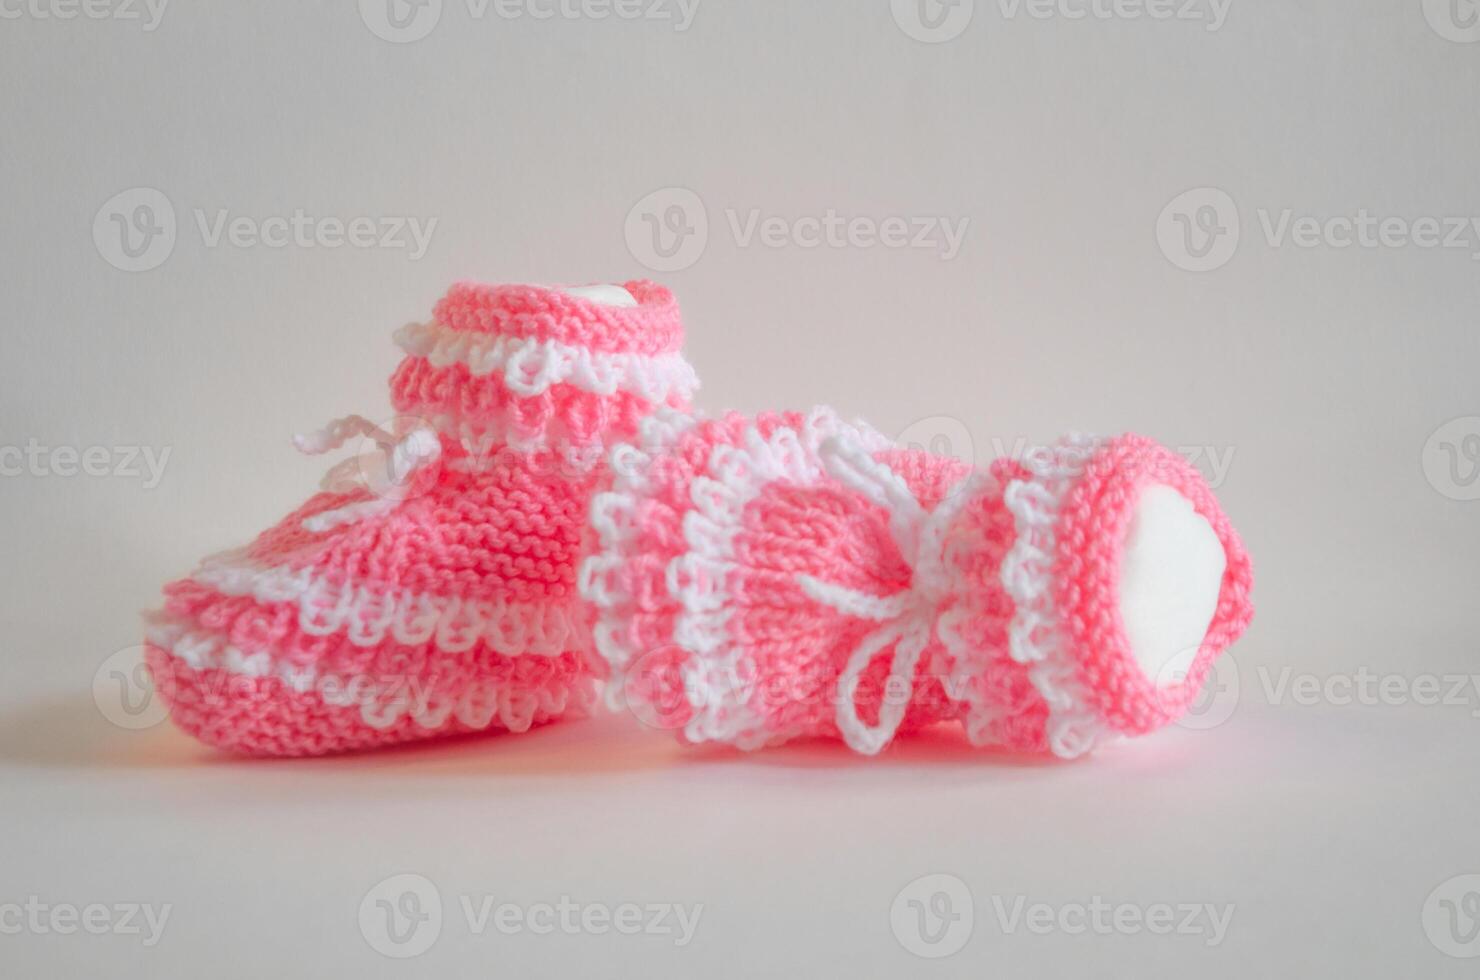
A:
[1036,637]
[367,617]
[382,701]
[484,438]
[530,365]
[613,516]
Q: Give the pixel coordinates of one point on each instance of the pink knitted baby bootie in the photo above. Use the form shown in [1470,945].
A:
[430,588]
[758,580]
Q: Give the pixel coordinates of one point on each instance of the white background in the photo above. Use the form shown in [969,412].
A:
[1321,376]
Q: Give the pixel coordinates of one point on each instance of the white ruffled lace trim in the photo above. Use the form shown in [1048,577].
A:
[368,617]
[530,366]
[719,672]
[613,519]
[382,700]
[485,439]
[1036,636]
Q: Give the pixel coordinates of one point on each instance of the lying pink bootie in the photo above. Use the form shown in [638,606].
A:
[430,588]
[759,580]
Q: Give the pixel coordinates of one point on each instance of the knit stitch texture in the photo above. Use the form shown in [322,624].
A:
[759,580]
[430,588]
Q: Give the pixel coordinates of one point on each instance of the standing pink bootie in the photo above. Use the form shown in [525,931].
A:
[430,589]
[759,580]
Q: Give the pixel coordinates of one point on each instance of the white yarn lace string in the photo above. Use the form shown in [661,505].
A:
[907,618]
[398,458]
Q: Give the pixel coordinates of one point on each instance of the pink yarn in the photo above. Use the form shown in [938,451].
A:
[383,611]
[742,565]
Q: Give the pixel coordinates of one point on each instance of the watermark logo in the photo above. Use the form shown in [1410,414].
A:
[1454,20]
[401,21]
[1451,458]
[933,916]
[149,12]
[135,229]
[401,916]
[933,21]
[655,689]
[1198,230]
[668,230]
[127,695]
[1451,917]
[1216,700]
[940,435]
[397,460]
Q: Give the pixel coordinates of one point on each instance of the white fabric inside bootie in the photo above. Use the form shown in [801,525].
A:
[603,294]
[1171,572]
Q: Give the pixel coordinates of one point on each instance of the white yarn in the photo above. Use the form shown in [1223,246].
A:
[530,365]
[908,617]
[399,458]
[382,701]
[485,436]
[612,514]
[1035,636]
[718,674]
[369,617]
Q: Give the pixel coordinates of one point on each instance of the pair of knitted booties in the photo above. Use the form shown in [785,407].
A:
[546,516]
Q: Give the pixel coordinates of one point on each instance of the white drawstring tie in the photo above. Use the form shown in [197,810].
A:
[386,473]
[908,617]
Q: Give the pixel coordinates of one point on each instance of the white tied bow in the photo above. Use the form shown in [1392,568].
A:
[385,472]
[908,617]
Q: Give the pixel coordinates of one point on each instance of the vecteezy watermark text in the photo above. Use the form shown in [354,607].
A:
[833,230]
[1212,14]
[1207,920]
[1369,688]
[119,462]
[403,916]
[934,917]
[146,12]
[136,230]
[405,21]
[41,918]
[1201,229]
[938,21]
[668,230]
[1362,688]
